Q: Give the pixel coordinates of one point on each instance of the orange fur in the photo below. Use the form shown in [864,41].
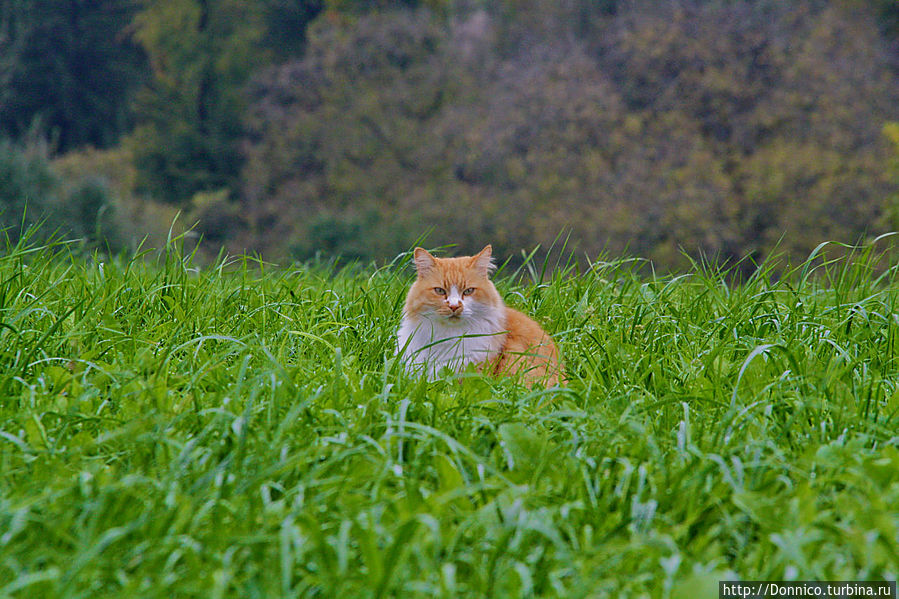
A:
[528,348]
[454,316]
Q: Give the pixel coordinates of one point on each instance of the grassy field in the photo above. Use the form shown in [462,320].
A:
[237,431]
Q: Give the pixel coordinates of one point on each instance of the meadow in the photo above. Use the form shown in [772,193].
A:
[243,430]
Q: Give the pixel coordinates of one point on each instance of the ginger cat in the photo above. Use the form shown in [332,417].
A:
[454,317]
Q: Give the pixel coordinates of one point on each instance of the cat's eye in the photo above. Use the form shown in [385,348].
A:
[468,291]
[439,290]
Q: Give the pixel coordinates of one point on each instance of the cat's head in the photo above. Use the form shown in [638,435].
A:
[453,290]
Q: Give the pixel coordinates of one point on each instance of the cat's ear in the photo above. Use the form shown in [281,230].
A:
[423,260]
[483,261]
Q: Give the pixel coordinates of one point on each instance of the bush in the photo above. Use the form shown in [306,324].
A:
[82,197]
[364,236]
[24,175]
[129,219]
[27,185]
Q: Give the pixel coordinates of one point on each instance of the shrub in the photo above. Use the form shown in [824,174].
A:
[85,197]
[27,185]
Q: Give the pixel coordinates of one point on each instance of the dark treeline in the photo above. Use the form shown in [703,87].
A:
[290,128]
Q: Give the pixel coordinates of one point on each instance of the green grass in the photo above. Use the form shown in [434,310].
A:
[244,431]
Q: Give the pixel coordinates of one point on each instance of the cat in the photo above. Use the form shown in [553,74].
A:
[454,317]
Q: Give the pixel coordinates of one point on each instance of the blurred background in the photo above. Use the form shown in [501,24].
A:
[296,128]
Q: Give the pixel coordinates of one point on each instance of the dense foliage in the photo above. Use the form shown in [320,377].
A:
[32,192]
[716,127]
[169,431]
[68,68]
[356,126]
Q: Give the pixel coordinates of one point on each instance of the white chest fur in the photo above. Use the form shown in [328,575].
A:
[430,342]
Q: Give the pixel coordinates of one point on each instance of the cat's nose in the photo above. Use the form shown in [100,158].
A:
[454,307]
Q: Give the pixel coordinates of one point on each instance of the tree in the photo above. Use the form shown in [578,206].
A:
[713,127]
[189,116]
[69,67]
[285,25]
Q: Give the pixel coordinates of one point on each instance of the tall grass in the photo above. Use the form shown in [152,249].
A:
[243,430]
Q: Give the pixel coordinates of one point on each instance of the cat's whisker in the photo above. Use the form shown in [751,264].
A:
[440,330]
